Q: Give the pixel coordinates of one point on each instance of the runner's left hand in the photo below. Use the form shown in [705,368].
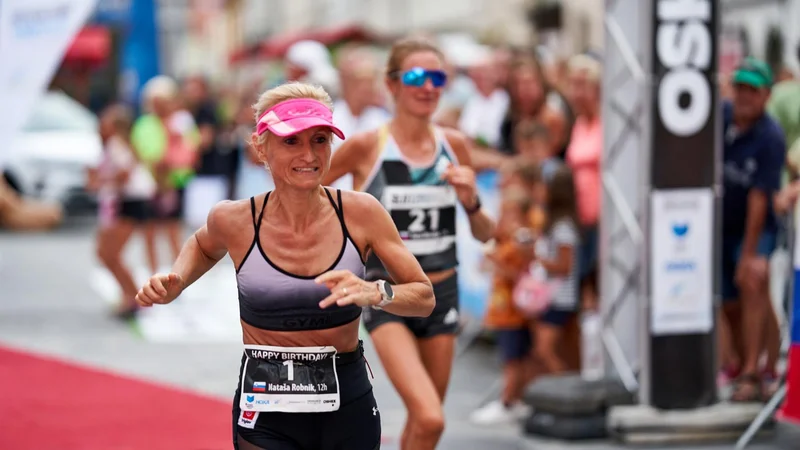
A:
[462,178]
[348,289]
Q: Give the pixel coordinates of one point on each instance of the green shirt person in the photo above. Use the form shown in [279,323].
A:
[784,106]
[170,144]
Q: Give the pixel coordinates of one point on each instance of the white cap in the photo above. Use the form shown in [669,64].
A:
[325,76]
[160,86]
[468,54]
[308,55]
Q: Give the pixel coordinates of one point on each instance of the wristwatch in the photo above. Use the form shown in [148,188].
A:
[475,208]
[387,294]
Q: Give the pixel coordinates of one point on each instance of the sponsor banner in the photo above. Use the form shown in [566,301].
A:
[34,35]
[681,265]
[682,237]
[473,282]
[685,105]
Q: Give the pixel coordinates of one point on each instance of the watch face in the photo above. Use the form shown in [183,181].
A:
[388,289]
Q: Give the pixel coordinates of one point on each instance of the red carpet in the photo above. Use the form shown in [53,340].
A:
[49,404]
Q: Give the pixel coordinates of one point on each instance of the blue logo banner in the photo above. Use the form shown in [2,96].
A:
[474,284]
[140,55]
[113,13]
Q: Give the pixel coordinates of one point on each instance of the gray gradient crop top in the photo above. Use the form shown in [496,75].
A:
[271,298]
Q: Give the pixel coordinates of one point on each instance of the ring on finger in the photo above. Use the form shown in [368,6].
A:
[344,291]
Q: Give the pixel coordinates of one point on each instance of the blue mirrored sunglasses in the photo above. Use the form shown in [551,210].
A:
[417,76]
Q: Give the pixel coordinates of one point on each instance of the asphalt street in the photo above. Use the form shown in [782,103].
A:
[55,300]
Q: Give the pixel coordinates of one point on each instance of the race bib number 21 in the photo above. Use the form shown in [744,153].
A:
[425,216]
[289,379]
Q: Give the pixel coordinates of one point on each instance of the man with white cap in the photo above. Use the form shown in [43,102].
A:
[354,111]
[310,61]
[483,114]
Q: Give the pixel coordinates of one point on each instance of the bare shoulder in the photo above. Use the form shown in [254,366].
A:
[360,143]
[360,205]
[352,157]
[226,216]
[365,217]
[455,137]
[460,144]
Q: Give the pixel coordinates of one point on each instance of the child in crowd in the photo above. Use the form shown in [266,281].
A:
[518,225]
[559,259]
[533,141]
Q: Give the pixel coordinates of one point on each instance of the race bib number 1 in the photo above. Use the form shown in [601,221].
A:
[425,216]
[289,379]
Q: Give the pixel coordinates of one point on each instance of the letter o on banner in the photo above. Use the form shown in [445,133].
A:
[689,119]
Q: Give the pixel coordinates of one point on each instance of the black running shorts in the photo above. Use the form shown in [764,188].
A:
[137,211]
[356,425]
[443,320]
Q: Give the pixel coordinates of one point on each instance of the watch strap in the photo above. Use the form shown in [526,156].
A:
[475,208]
[385,300]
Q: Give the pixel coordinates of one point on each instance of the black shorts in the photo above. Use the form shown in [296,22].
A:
[443,320]
[356,425]
[135,210]
[514,344]
[556,317]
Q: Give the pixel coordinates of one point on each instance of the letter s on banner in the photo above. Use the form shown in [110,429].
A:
[684,121]
[684,97]
[685,50]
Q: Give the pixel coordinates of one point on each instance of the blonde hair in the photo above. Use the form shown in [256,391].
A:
[586,64]
[404,48]
[288,91]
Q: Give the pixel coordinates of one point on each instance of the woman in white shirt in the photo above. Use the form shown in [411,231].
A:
[125,190]
[485,110]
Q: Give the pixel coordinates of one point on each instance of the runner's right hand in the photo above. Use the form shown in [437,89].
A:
[160,289]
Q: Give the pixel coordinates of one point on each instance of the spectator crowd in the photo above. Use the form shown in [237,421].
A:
[539,126]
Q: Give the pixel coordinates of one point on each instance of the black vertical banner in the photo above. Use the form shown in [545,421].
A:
[685,108]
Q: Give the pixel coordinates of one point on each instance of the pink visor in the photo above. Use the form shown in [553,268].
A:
[293,116]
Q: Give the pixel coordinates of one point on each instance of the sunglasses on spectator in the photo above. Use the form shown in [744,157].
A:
[417,76]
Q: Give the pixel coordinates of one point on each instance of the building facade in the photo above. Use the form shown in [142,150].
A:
[752,21]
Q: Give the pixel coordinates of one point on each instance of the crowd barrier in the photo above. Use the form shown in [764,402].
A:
[786,399]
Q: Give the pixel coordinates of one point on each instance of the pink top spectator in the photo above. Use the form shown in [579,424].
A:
[583,157]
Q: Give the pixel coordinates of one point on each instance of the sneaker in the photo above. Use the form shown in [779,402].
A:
[495,413]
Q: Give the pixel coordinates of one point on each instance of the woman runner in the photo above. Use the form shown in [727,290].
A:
[300,274]
[419,172]
[125,190]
